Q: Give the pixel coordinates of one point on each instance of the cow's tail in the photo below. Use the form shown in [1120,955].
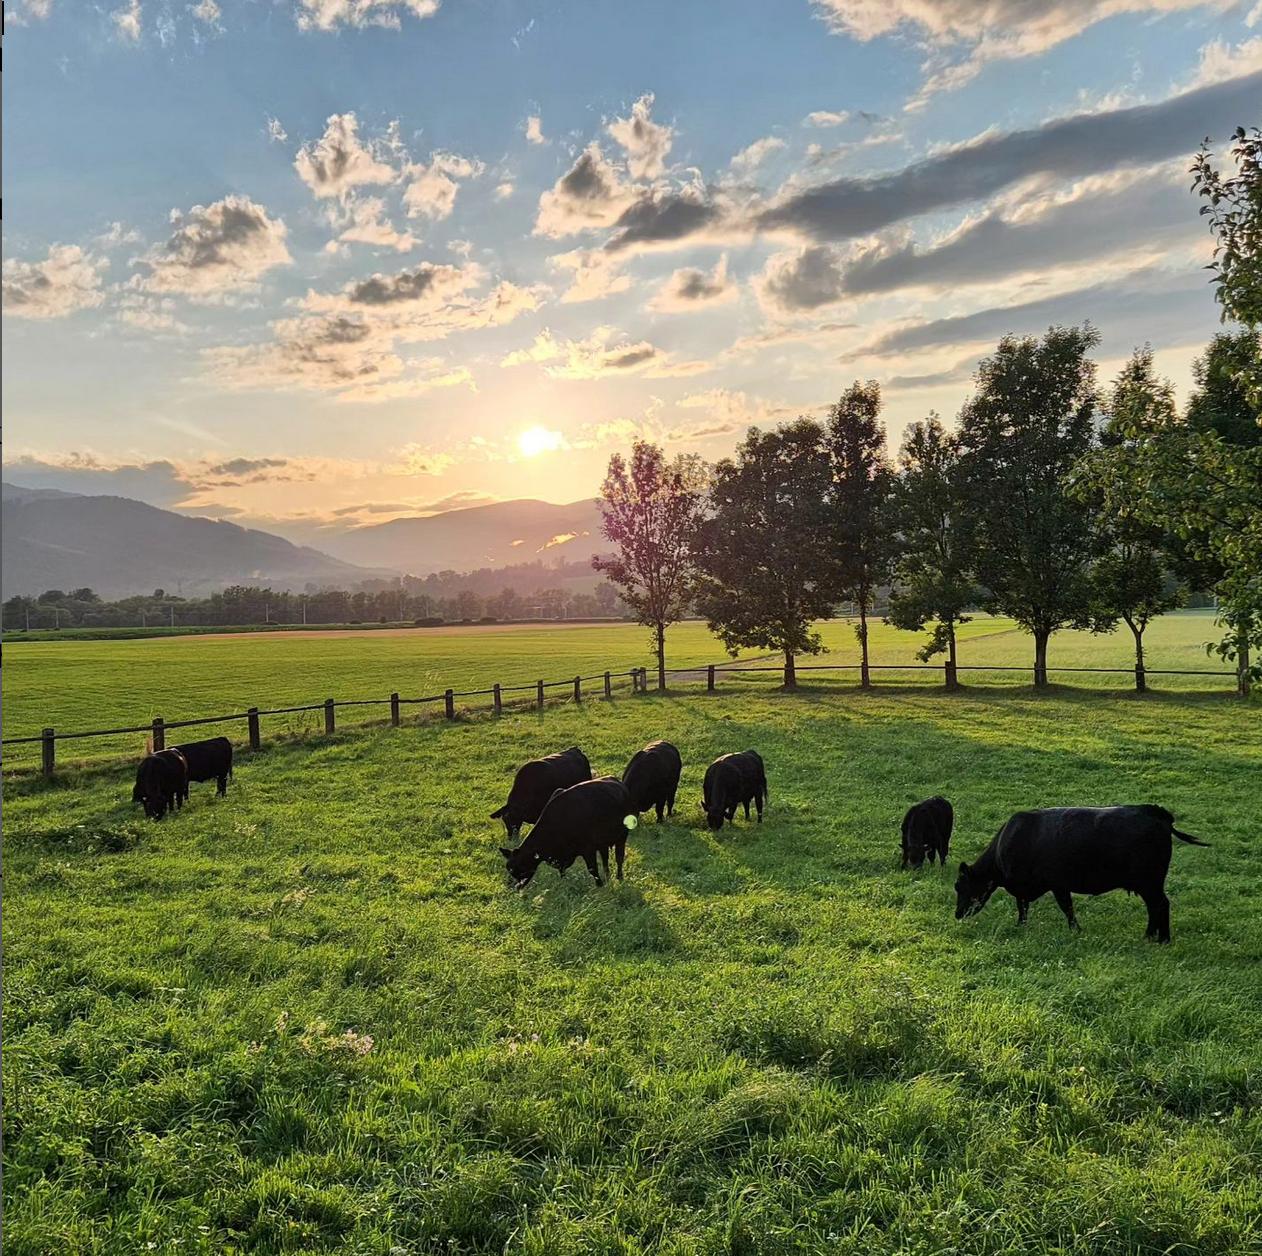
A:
[1187,837]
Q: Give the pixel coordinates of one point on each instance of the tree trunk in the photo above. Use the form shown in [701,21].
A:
[952,678]
[1242,660]
[790,672]
[865,677]
[661,657]
[1040,659]
[1141,681]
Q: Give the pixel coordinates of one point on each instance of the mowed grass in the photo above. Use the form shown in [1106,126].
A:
[765,1041]
[79,685]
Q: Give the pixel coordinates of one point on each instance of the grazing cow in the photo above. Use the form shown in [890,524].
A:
[730,781]
[208,760]
[580,822]
[652,778]
[161,783]
[536,782]
[1076,850]
[927,831]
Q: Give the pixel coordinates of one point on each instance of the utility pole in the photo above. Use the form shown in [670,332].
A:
[304,610]
[142,618]
[172,610]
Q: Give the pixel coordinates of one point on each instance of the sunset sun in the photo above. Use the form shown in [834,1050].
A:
[538,440]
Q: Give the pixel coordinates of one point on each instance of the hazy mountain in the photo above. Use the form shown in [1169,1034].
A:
[479,536]
[55,540]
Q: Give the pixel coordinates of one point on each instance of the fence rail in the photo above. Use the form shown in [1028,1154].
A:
[157,728]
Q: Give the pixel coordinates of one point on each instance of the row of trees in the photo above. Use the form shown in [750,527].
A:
[1053,502]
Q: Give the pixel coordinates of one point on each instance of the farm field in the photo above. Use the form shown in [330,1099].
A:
[765,1041]
[81,685]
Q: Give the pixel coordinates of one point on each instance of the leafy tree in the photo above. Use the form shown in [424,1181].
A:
[1030,422]
[1221,403]
[1130,581]
[932,581]
[862,479]
[1233,205]
[651,509]
[49,596]
[766,553]
[84,595]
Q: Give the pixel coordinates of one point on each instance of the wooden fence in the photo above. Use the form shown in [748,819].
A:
[158,728]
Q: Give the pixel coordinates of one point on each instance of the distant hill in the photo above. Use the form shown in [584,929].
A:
[56,540]
[479,536]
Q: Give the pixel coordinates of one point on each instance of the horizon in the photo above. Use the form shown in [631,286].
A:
[278,265]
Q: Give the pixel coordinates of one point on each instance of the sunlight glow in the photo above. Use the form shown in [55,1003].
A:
[538,440]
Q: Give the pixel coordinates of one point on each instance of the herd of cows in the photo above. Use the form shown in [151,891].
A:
[1060,851]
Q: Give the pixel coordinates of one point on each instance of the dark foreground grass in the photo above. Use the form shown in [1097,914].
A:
[771,1041]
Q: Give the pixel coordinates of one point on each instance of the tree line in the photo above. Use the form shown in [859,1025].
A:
[1054,501]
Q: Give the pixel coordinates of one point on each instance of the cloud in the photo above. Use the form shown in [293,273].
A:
[728,412]
[66,281]
[596,274]
[590,195]
[606,352]
[504,189]
[150,314]
[1219,60]
[368,224]
[428,285]
[534,130]
[431,191]
[339,161]
[801,280]
[1083,144]
[646,143]
[749,159]
[823,117]
[665,217]
[275,131]
[329,15]
[207,11]
[690,289]
[216,249]
[127,21]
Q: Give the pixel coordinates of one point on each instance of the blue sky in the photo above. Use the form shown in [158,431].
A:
[312,263]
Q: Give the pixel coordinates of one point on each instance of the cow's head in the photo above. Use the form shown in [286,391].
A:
[913,852]
[512,821]
[972,892]
[522,865]
[149,792]
[713,814]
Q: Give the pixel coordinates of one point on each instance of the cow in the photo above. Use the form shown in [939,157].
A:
[208,760]
[582,821]
[536,782]
[1076,850]
[161,783]
[652,778]
[730,781]
[927,831]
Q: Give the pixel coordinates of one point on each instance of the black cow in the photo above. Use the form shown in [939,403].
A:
[580,822]
[162,780]
[652,778]
[730,781]
[927,831]
[1076,850]
[536,782]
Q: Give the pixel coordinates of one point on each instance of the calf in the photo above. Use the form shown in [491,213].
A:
[730,781]
[927,831]
[161,783]
[536,782]
[652,778]
[1076,850]
[580,822]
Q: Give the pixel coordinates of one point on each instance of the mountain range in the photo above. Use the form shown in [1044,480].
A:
[118,546]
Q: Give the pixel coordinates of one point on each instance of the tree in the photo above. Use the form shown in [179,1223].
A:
[766,553]
[932,581]
[1130,581]
[862,479]
[1234,210]
[651,509]
[1221,403]
[1030,422]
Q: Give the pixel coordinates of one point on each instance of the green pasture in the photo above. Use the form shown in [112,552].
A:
[313,1018]
[78,685]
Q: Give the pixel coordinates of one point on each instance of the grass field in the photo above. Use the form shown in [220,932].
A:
[80,685]
[768,1041]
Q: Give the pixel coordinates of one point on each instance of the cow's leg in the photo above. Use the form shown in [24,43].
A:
[223,785]
[590,860]
[747,809]
[1158,915]
[1065,902]
[661,808]
[758,802]
[670,805]
[620,851]
[1023,910]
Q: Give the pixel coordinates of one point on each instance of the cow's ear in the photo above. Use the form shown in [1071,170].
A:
[963,869]
[506,852]
[496,815]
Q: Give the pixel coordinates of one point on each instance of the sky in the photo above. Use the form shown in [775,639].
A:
[311,264]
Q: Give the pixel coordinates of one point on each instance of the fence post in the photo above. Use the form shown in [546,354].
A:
[48,748]
[252,722]
[539,694]
[608,686]
[329,721]
[709,678]
[394,709]
[644,680]
[498,698]
[159,734]
[449,700]
[578,691]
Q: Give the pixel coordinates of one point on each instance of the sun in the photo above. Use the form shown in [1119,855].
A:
[538,440]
